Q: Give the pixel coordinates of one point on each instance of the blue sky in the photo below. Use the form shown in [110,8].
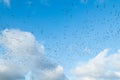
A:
[72,31]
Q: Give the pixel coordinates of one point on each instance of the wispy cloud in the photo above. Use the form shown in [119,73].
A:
[102,67]
[7,3]
[24,58]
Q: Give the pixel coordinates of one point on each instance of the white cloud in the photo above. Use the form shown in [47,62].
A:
[102,67]
[24,58]
[55,74]
[7,2]
[17,42]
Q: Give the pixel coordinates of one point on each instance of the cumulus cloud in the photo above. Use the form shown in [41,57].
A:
[23,58]
[102,67]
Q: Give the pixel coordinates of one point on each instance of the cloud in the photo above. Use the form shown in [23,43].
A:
[102,67]
[7,2]
[24,58]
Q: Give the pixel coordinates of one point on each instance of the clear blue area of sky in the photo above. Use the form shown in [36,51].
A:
[71,30]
